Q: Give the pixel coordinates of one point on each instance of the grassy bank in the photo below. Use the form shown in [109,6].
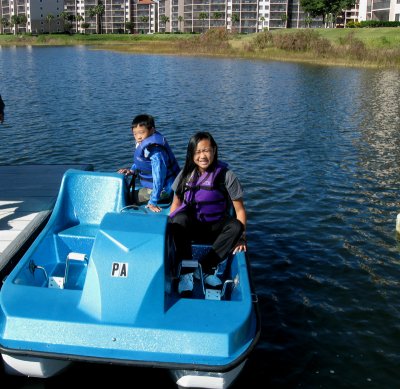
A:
[365,47]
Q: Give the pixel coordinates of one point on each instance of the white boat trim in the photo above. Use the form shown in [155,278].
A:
[204,379]
[33,366]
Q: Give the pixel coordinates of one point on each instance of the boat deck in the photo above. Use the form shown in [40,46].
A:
[27,197]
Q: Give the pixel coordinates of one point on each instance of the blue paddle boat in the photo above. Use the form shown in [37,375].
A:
[99,284]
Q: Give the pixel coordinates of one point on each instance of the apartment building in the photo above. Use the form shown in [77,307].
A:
[385,10]
[36,12]
[172,16]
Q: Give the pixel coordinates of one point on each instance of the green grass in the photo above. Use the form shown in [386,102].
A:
[372,37]
[367,47]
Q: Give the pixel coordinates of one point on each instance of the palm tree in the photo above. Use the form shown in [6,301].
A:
[4,23]
[145,19]
[78,18]
[98,11]
[164,19]
[64,17]
[217,15]
[180,20]
[262,20]
[23,19]
[203,16]
[15,21]
[49,18]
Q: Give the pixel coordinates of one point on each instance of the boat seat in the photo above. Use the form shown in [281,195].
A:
[84,198]
[79,231]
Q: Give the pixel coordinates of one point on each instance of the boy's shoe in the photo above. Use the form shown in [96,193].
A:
[212,280]
[185,285]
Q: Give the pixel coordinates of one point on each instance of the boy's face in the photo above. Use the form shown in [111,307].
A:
[141,133]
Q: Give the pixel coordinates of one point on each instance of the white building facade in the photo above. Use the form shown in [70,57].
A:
[174,16]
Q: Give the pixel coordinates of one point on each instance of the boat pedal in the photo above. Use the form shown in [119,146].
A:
[56,282]
[190,263]
[213,294]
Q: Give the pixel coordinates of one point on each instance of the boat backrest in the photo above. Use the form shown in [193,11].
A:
[86,196]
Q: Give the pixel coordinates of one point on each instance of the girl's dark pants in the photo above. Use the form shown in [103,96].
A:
[222,235]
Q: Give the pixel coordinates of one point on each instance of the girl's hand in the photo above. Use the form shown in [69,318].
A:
[240,246]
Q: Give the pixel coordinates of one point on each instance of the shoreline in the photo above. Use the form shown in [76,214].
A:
[380,47]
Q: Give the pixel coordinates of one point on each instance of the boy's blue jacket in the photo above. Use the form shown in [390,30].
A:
[156,165]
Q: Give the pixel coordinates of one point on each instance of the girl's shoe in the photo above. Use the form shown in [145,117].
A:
[185,283]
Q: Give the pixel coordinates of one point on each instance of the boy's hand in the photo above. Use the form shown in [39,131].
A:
[125,171]
[153,208]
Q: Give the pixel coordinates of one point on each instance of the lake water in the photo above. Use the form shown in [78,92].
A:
[318,152]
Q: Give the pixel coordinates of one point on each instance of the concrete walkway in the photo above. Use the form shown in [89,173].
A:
[27,197]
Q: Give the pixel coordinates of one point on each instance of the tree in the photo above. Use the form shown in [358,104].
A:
[78,18]
[145,19]
[322,8]
[4,23]
[164,19]
[15,21]
[262,20]
[203,16]
[98,12]
[23,19]
[235,18]
[130,26]
[49,19]
[85,26]
[217,15]
[64,17]
[180,20]
[284,19]
[308,20]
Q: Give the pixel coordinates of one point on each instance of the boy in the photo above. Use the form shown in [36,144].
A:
[154,163]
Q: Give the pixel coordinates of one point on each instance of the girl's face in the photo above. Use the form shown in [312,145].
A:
[203,155]
[141,133]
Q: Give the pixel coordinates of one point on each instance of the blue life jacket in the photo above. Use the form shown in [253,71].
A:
[143,164]
[203,194]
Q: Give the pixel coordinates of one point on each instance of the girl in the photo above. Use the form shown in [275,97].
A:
[204,190]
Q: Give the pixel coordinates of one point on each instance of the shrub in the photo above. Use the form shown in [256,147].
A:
[322,47]
[379,23]
[302,40]
[261,41]
[354,47]
[215,40]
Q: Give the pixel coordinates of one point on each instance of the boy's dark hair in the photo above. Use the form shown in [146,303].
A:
[144,120]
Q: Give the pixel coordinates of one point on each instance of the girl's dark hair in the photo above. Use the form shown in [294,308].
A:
[190,166]
[144,120]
